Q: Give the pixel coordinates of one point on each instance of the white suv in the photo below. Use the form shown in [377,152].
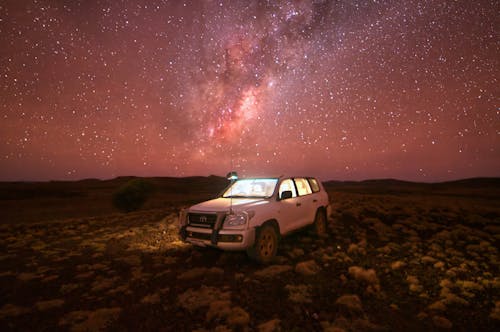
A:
[252,214]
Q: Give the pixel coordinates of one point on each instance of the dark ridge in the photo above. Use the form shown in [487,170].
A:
[488,188]
[473,182]
[80,188]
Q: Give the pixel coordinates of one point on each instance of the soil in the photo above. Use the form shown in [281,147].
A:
[393,260]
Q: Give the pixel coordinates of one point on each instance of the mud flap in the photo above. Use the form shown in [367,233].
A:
[183,233]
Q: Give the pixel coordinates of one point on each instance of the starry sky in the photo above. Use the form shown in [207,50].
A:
[345,90]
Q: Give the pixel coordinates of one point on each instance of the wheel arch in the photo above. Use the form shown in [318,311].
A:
[274,223]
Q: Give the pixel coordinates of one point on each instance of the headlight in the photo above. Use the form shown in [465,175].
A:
[238,219]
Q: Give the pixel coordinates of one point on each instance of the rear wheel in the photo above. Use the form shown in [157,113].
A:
[266,244]
[320,223]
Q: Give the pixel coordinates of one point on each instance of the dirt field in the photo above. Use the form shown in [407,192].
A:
[398,257]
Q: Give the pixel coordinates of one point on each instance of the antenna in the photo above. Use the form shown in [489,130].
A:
[232,182]
[231,176]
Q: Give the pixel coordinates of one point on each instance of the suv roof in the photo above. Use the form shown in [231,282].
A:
[278,177]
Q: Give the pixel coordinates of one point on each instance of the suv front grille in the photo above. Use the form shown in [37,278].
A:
[203,220]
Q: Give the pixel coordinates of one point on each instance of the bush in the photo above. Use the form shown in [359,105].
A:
[132,195]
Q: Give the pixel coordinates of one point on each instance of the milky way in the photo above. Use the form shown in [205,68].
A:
[334,89]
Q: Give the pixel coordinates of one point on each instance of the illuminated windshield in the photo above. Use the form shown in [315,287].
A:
[251,188]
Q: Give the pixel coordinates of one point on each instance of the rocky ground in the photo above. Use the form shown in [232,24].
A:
[389,263]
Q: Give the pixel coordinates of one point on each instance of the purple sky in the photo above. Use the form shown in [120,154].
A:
[334,89]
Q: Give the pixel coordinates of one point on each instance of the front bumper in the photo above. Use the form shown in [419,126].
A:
[224,239]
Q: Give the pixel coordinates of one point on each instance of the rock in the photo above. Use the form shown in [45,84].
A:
[151,299]
[299,293]
[272,271]
[446,283]
[132,260]
[439,265]
[307,268]
[428,259]
[353,248]
[422,315]
[442,322]
[360,274]
[196,273]
[91,320]
[397,265]
[11,310]
[50,278]
[415,288]
[218,309]
[414,284]
[412,279]
[101,284]
[68,288]
[193,299]
[469,285]
[363,324]
[27,276]
[394,307]
[328,327]
[238,317]
[437,306]
[222,328]
[495,313]
[449,298]
[120,289]
[296,253]
[350,302]
[199,273]
[49,304]
[270,326]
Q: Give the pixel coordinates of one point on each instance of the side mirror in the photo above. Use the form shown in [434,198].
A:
[232,176]
[286,194]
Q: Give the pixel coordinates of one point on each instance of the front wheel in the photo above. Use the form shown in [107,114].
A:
[320,224]
[265,246]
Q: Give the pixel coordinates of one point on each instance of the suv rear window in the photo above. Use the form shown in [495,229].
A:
[314,185]
[302,186]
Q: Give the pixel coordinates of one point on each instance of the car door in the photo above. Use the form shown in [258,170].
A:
[306,201]
[291,212]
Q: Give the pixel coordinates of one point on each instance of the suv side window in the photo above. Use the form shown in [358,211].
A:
[287,185]
[314,185]
[302,186]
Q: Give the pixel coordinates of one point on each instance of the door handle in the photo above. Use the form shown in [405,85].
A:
[298,204]
[315,200]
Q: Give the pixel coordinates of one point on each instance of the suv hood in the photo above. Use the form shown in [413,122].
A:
[222,204]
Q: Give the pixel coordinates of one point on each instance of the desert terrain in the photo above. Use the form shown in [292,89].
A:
[399,256]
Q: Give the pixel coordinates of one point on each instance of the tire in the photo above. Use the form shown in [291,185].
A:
[266,244]
[320,224]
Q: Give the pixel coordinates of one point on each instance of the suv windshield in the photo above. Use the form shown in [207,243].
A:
[252,188]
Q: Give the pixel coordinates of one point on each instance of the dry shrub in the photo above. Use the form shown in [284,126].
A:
[132,195]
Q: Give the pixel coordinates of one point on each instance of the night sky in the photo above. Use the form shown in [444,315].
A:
[334,89]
